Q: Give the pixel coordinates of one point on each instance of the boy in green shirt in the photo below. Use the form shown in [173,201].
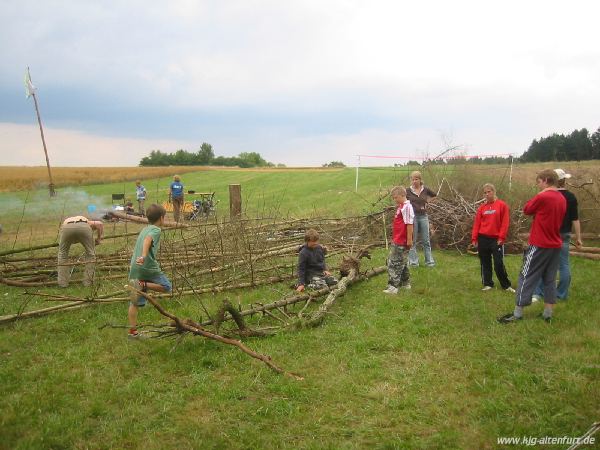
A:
[145,273]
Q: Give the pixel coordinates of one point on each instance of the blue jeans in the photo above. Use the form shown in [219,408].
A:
[564,271]
[159,279]
[421,229]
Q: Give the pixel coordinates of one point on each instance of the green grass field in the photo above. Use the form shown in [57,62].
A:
[429,368]
[32,217]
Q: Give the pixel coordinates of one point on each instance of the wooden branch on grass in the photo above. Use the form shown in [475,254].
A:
[340,289]
[41,312]
[587,250]
[194,328]
[306,296]
[593,256]
[242,330]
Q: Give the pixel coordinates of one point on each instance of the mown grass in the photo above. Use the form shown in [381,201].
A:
[426,369]
[31,217]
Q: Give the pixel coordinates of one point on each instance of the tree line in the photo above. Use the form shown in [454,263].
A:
[577,146]
[205,156]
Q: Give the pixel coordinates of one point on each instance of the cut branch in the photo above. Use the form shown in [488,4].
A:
[194,328]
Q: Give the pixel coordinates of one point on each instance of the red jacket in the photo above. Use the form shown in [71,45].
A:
[548,209]
[404,216]
[492,220]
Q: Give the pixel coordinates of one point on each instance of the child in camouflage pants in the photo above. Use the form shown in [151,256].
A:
[402,237]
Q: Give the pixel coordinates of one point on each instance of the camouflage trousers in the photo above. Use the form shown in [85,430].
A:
[398,273]
[321,281]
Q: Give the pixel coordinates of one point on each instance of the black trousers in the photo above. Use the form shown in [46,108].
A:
[488,249]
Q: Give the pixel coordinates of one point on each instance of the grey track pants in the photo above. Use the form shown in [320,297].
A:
[538,264]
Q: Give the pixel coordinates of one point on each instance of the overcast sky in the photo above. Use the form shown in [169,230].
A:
[301,82]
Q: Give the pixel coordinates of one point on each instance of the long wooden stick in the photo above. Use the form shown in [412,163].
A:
[55,244]
[587,250]
[41,312]
[198,330]
[37,111]
[593,256]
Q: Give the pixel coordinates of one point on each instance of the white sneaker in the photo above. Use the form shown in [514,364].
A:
[487,288]
[406,286]
[535,298]
[510,289]
[390,290]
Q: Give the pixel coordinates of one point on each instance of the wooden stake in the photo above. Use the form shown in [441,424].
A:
[235,201]
[37,111]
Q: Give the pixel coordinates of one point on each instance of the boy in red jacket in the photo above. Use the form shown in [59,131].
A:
[489,234]
[541,258]
[402,240]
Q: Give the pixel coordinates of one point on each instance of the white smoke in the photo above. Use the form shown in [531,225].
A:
[68,202]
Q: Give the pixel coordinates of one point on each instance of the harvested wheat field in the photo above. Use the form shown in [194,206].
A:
[18,178]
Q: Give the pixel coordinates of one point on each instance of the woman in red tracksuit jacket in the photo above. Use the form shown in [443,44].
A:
[489,233]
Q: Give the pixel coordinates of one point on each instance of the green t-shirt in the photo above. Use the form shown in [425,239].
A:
[150,268]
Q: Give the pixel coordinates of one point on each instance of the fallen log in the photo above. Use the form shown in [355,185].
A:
[300,297]
[317,318]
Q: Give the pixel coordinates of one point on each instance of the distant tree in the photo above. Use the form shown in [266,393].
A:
[205,155]
[595,139]
[577,146]
[495,160]
[156,158]
[581,144]
[182,158]
[335,164]
[253,159]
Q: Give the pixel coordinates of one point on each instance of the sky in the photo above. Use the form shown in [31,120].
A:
[302,82]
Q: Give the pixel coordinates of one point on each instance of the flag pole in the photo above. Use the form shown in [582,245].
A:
[31,91]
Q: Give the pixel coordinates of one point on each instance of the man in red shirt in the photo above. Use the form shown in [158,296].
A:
[541,258]
[489,233]
[402,239]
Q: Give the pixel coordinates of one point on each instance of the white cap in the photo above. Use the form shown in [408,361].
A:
[562,174]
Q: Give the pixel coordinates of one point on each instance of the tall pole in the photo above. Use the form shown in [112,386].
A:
[357,166]
[510,176]
[31,91]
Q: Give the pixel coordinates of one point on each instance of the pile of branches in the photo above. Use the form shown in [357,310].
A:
[199,259]
[451,218]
